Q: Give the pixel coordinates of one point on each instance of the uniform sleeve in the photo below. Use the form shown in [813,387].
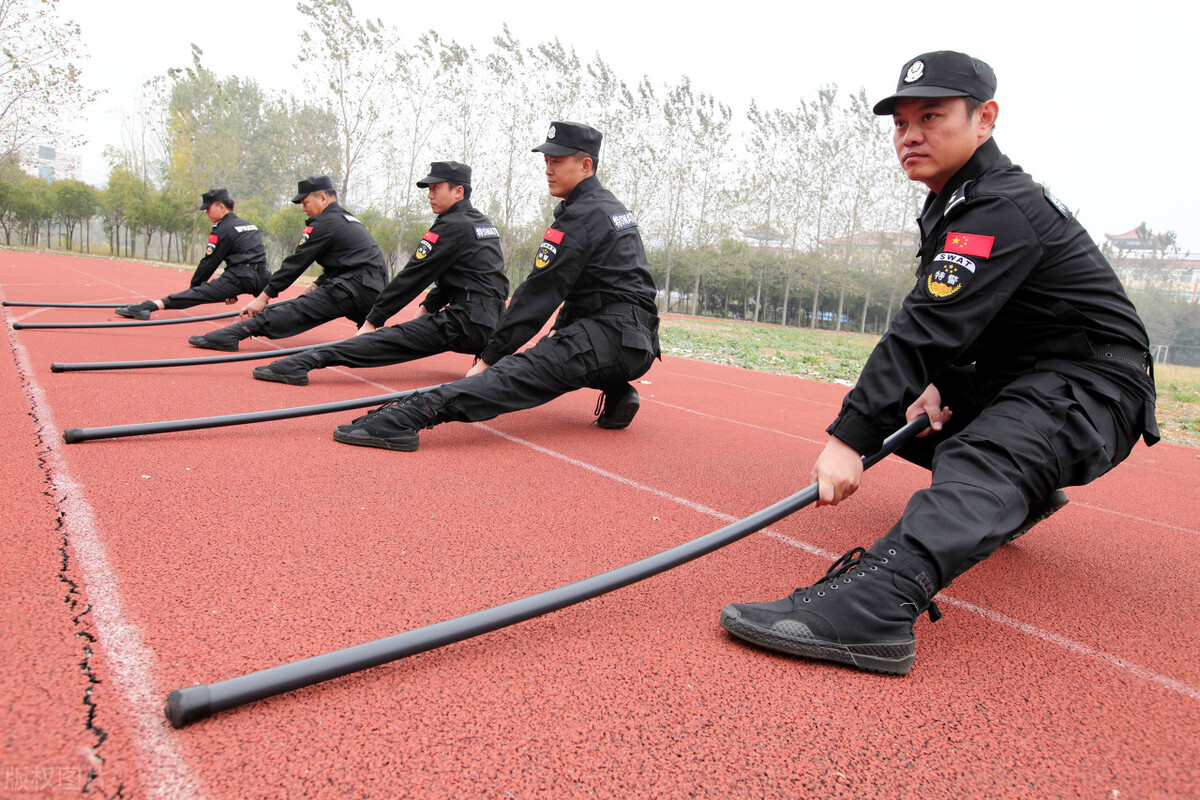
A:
[316,238]
[219,240]
[983,255]
[560,260]
[435,253]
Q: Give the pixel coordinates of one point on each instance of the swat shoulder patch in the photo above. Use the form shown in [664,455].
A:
[352,218]
[945,279]
[487,232]
[244,228]
[623,220]
[1059,205]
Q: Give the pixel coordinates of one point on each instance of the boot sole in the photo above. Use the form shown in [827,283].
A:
[403,446]
[204,344]
[139,317]
[265,374]
[892,658]
[1056,504]
[621,416]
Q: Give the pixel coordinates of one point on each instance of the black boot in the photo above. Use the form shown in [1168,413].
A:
[616,408]
[140,311]
[285,370]
[390,427]
[861,613]
[1038,512]
[225,339]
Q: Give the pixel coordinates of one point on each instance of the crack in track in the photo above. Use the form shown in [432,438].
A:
[78,608]
[93,597]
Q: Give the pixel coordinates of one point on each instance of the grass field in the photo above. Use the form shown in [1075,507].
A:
[839,357]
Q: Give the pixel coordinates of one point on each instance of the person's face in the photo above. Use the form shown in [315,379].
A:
[934,137]
[441,196]
[564,173]
[216,212]
[314,203]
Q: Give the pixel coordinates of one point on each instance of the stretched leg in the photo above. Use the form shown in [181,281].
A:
[554,366]
[424,336]
[1039,433]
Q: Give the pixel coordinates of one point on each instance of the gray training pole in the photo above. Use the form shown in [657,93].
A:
[15,304]
[73,435]
[133,323]
[199,702]
[84,366]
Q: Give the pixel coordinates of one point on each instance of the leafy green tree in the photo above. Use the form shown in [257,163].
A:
[75,203]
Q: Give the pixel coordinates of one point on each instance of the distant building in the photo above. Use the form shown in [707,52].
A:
[48,163]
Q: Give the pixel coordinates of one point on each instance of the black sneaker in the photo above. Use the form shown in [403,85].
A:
[205,343]
[861,613]
[294,378]
[402,439]
[138,311]
[1039,512]
[616,408]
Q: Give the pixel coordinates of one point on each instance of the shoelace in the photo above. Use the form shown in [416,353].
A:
[600,404]
[856,558]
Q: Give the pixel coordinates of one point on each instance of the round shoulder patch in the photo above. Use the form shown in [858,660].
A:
[945,280]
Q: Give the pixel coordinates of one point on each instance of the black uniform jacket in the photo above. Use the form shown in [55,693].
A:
[1007,278]
[236,242]
[461,252]
[589,258]
[342,246]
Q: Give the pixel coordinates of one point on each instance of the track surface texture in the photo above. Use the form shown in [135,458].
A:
[1066,665]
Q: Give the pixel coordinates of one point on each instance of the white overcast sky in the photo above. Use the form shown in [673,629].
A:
[1099,103]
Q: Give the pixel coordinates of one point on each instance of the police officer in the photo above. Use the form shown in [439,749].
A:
[591,261]
[461,252]
[1019,343]
[353,272]
[233,240]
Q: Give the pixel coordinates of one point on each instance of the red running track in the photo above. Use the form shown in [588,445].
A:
[1065,665]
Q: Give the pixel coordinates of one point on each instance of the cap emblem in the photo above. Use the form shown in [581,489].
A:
[915,72]
[550,135]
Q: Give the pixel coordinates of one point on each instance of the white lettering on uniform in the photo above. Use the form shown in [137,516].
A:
[487,232]
[244,228]
[955,258]
[623,220]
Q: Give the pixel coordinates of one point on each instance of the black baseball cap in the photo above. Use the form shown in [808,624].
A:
[943,73]
[565,138]
[318,183]
[443,171]
[215,196]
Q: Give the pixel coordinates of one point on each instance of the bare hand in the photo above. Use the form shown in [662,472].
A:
[476,368]
[230,300]
[366,327]
[255,306]
[312,287]
[930,402]
[838,471]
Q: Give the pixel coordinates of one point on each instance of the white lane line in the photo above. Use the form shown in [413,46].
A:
[1072,646]
[162,767]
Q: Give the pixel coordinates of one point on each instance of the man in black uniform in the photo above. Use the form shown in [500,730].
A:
[233,240]
[353,272]
[591,260]
[461,252]
[1019,343]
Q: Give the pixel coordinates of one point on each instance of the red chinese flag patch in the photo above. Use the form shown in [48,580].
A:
[430,237]
[308,229]
[553,235]
[969,244]
[212,238]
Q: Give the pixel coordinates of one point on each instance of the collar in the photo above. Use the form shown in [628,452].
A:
[986,156]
